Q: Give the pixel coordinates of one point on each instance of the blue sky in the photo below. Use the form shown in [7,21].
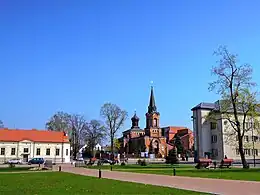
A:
[73,56]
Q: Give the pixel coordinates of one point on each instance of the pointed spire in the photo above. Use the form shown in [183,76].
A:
[152,107]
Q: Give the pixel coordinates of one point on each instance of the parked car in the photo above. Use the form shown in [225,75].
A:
[36,161]
[14,161]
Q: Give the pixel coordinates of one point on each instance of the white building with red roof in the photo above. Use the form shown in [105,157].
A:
[28,144]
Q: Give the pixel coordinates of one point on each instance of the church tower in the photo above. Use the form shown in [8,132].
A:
[135,121]
[152,118]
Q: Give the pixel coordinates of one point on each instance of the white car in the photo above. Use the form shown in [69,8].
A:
[14,161]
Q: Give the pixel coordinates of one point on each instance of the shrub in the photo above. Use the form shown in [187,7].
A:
[172,157]
[11,165]
[139,162]
[143,163]
[122,164]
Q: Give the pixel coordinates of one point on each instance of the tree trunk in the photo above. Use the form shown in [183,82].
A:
[112,148]
[74,152]
[241,151]
[92,151]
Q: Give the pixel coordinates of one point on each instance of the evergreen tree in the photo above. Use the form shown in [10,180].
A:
[172,157]
[178,144]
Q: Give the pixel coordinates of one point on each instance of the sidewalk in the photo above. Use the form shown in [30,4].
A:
[214,186]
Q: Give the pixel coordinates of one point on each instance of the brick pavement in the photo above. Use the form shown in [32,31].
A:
[214,186]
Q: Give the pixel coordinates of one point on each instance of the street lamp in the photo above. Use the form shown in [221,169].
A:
[253,139]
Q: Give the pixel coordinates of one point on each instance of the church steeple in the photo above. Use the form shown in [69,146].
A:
[152,107]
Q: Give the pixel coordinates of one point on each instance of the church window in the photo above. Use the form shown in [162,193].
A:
[155,122]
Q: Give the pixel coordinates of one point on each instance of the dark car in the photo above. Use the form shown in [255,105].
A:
[36,161]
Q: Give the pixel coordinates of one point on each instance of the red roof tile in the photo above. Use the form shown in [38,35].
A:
[174,129]
[16,135]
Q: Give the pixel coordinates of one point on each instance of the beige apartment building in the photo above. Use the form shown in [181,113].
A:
[216,139]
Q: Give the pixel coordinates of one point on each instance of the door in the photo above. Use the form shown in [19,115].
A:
[25,158]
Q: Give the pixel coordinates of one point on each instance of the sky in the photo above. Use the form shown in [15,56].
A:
[74,56]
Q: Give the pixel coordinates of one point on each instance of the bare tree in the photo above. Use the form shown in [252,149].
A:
[1,124]
[94,134]
[60,121]
[78,125]
[114,119]
[74,125]
[238,103]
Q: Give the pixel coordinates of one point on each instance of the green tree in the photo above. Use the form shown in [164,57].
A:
[172,157]
[117,144]
[238,105]
[178,144]
[114,118]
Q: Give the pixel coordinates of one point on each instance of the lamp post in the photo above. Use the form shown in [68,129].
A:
[55,155]
[253,139]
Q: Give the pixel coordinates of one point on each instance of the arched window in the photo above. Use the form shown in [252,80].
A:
[155,122]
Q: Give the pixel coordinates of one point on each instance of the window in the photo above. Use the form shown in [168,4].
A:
[247,152]
[2,151]
[67,152]
[155,122]
[255,151]
[213,125]
[256,125]
[254,138]
[214,152]
[48,152]
[213,139]
[38,151]
[237,152]
[225,122]
[13,151]
[25,150]
[246,125]
[57,151]
[246,138]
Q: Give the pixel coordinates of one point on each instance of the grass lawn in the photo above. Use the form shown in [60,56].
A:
[252,174]
[8,169]
[59,183]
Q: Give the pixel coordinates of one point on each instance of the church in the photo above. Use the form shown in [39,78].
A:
[150,140]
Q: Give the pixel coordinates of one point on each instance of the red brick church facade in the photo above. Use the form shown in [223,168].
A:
[152,139]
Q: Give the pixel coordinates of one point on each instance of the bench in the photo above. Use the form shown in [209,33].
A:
[226,163]
[203,163]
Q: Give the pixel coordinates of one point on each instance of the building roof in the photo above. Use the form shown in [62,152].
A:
[175,129]
[16,135]
[204,105]
[223,106]
[133,129]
